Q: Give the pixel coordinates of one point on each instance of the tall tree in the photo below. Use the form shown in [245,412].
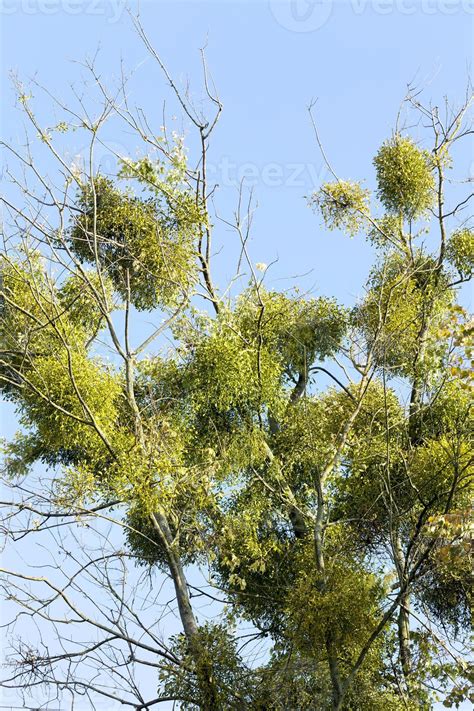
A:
[330,514]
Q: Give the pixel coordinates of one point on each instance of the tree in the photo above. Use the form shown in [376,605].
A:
[330,515]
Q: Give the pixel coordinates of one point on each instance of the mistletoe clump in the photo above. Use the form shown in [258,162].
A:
[402,292]
[343,205]
[404,177]
[460,251]
[147,250]
[296,330]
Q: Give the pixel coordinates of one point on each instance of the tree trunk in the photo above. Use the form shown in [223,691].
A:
[404,636]
[207,688]
[403,613]
[321,568]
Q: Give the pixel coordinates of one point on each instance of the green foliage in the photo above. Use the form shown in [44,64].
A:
[406,298]
[312,422]
[39,320]
[232,377]
[328,610]
[19,325]
[388,231]
[68,393]
[145,542]
[166,179]
[460,251]
[300,503]
[85,300]
[343,205]
[214,653]
[294,681]
[145,248]
[462,691]
[404,177]
[254,556]
[298,330]
[446,590]
[182,489]
[291,681]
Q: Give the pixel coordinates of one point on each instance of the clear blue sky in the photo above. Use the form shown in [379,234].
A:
[268,60]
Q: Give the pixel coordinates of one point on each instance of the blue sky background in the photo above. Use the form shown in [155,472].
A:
[268,60]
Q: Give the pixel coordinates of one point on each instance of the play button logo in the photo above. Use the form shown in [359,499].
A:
[301,15]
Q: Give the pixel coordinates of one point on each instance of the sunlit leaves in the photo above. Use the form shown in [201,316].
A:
[299,502]
[70,400]
[85,299]
[298,330]
[404,177]
[229,374]
[460,251]
[407,300]
[343,205]
[387,231]
[149,252]
[215,653]
[39,319]
[329,609]
[312,423]
[446,590]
